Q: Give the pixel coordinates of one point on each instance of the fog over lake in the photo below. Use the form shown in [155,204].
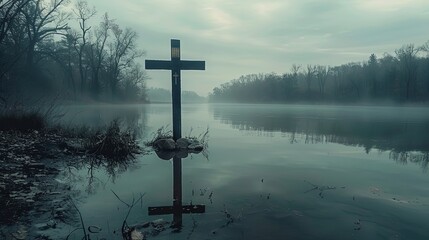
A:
[272,172]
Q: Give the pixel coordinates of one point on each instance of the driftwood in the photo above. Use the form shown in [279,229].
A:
[320,188]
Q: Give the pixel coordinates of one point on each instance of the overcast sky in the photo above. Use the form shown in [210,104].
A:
[251,36]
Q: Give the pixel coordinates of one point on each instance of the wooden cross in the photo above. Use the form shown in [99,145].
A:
[175,65]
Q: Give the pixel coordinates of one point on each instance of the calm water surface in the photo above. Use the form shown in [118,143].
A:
[272,172]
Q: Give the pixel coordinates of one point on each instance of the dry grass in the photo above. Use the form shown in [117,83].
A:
[162,133]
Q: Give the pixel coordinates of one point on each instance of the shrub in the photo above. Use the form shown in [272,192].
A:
[113,143]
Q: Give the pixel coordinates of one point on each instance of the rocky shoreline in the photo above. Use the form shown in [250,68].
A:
[32,198]
[167,148]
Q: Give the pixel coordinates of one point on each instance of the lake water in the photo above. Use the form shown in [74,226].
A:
[272,172]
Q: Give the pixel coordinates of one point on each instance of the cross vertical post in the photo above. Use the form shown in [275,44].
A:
[176,89]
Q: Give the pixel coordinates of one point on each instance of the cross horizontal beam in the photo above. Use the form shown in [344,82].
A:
[164,210]
[181,65]
[158,64]
[192,65]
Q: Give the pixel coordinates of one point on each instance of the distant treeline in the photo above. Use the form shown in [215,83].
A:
[402,77]
[164,95]
[42,54]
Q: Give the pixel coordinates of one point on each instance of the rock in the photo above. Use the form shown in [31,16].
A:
[142,225]
[159,222]
[45,226]
[36,165]
[196,147]
[193,141]
[167,148]
[182,143]
[182,153]
[94,229]
[42,226]
[73,146]
[165,144]
[19,235]
[165,155]
[136,235]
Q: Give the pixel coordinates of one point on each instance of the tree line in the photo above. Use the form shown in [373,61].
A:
[401,77]
[51,48]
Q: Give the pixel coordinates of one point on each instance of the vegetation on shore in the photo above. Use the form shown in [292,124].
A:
[110,142]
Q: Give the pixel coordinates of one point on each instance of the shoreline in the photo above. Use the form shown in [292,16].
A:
[34,198]
[36,202]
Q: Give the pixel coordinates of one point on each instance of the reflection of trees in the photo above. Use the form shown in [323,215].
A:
[95,170]
[420,158]
[405,136]
[112,169]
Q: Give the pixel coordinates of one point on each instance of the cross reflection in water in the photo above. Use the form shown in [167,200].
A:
[177,209]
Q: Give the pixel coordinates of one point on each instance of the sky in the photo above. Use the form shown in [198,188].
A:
[250,36]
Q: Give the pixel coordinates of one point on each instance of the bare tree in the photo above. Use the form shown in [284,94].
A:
[407,56]
[9,10]
[309,76]
[335,73]
[97,53]
[64,54]
[122,53]
[83,13]
[43,20]
[425,48]
[371,76]
[353,72]
[295,70]
[289,83]
[321,75]
[134,82]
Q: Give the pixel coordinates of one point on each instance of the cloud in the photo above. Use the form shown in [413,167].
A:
[241,37]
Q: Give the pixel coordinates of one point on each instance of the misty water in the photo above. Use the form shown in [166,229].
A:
[272,172]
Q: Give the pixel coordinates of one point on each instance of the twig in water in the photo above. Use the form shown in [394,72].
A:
[320,188]
[86,237]
[194,226]
[116,195]
[126,230]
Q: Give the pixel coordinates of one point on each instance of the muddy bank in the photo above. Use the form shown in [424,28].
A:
[33,198]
